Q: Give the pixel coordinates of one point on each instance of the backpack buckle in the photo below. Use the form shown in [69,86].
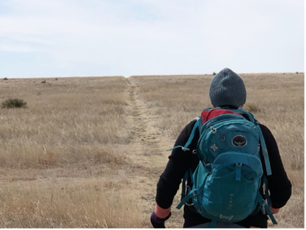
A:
[189,204]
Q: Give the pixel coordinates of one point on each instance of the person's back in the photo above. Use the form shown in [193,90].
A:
[226,89]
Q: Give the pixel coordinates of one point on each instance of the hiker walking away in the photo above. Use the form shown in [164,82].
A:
[206,201]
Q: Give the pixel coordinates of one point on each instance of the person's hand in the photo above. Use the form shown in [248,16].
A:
[158,222]
[274,210]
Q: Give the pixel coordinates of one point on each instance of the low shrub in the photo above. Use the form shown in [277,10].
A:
[13,103]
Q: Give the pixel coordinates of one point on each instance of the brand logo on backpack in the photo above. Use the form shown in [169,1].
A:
[239,141]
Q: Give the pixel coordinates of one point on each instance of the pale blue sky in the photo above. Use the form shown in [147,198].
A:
[63,38]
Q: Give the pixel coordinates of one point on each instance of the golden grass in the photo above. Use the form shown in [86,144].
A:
[64,121]
[88,152]
[81,205]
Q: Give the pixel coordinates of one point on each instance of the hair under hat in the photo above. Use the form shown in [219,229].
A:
[227,89]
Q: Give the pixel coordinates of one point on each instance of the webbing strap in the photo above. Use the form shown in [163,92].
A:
[186,199]
[185,147]
[196,125]
[267,209]
[188,174]
[238,171]
[266,192]
[179,146]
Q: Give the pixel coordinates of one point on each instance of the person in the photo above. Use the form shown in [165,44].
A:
[226,89]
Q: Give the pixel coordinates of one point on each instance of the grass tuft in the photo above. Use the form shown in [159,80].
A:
[13,103]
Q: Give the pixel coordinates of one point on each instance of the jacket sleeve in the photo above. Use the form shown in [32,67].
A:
[278,183]
[178,163]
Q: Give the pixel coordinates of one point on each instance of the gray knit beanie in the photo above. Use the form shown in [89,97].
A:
[227,89]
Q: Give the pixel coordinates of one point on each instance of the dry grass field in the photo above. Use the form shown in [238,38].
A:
[87,152]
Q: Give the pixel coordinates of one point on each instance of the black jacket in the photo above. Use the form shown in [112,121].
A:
[180,161]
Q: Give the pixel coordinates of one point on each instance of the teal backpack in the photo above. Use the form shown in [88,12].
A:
[227,181]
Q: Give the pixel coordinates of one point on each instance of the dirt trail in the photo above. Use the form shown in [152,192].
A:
[148,151]
[146,135]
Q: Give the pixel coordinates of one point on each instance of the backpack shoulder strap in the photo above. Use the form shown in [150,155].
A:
[185,148]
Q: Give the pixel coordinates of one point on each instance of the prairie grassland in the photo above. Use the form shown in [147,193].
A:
[88,152]
[53,151]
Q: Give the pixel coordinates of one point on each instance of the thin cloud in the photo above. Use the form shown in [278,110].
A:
[154,37]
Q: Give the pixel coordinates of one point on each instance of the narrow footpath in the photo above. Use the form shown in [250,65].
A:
[148,152]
